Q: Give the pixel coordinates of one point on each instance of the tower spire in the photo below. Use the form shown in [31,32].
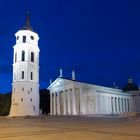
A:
[27,25]
[27,19]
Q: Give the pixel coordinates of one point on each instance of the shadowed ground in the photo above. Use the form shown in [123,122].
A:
[70,128]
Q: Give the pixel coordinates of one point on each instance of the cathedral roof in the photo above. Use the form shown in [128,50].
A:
[130,86]
[27,25]
[62,79]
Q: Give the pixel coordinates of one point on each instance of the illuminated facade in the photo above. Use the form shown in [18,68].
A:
[25,86]
[71,97]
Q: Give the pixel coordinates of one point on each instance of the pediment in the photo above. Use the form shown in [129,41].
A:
[60,82]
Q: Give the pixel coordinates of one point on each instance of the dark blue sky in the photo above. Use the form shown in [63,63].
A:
[99,39]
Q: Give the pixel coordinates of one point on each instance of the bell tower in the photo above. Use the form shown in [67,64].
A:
[25,86]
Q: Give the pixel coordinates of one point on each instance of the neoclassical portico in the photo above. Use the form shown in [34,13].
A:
[63,102]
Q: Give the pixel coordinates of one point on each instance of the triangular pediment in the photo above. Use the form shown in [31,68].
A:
[60,82]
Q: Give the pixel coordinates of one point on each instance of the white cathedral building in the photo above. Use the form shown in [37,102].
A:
[71,97]
[25,86]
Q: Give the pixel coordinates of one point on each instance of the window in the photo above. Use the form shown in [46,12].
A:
[34,108]
[31,99]
[22,75]
[24,39]
[31,89]
[28,91]
[21,99]
[32,37]
[23,56]
[32,56]
[17,37]
[16,57]
[31,75]
[23,89]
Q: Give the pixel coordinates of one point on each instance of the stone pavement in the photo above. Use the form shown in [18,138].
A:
[70,128]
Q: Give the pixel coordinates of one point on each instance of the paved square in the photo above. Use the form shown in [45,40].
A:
[70,128]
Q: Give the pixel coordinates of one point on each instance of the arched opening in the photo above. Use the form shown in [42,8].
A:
[22,75]
[31,75]
[23,56]
[32,56]
[24,39]
[16,57]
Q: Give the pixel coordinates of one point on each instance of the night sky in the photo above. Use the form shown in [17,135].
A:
[99,39]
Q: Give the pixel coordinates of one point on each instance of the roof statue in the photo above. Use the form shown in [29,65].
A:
[50,81]
[61,73]
[73,75]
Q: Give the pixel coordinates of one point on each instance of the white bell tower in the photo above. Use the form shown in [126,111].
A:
[25,86]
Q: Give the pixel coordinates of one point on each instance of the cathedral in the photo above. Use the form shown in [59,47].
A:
[72,97]
[67,96]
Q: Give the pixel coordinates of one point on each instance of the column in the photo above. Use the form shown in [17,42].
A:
[73,102]
[70,98]
[114,107]
[66,97]
[51,102]
[81,102]
[54,104]
[117,109]
[126,105]
[121,105]
[58,103]
[131,105]
[64,103]
[68,101]
[118,105]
